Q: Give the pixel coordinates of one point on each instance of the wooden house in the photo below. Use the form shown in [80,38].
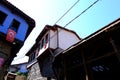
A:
[96,57]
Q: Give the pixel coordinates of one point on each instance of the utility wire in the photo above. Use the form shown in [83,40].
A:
[58,20]
[81,13]
[71,20]
[77,16]
[66,12]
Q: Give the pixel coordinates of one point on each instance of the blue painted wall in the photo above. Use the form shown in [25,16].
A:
[23,27]
[23,68]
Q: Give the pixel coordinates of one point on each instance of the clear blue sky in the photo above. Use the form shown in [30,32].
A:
[49,11]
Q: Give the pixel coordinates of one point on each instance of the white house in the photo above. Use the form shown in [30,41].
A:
[56,37]
[51,42]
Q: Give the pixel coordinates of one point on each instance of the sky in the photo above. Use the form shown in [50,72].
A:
[47,12]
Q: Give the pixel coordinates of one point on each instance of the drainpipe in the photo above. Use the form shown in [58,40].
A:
[57,37]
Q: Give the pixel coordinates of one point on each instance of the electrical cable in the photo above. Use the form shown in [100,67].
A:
[69,21]
[58,19]
[66,12]
[77,16]
[81,13]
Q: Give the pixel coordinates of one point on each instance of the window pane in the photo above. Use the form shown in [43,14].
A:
[15,25]
[46,38]
[2,17]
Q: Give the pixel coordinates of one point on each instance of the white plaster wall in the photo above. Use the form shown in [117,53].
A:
[67,39]
[53,39]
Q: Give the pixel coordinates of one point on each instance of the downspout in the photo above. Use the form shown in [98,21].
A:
[53,56]
[57,37]
[49,38]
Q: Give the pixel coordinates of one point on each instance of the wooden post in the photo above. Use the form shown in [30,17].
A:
[85,67]
[64,63]
[115,48]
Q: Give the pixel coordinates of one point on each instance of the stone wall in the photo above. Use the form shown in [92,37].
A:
[34,73]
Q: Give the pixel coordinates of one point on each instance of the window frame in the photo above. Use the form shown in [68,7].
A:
[4,16]
[44,40]
[15,24]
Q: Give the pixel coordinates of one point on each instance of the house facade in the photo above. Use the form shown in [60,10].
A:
[51,41]
[15,26]
[96,57]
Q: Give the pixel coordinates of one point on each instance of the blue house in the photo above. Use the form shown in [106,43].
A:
[16,20]
[15,26]
[22,68]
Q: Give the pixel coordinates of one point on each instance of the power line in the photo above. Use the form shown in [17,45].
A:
[77,16]
[66,12]
[57,21]
[81,13]
[69,21]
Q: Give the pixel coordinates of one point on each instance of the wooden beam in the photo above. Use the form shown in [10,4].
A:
[85,66]
[115,48]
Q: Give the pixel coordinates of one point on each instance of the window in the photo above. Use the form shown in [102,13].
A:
[32,56]
[44,41]
[40,45]
[15,25]
[2,17]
